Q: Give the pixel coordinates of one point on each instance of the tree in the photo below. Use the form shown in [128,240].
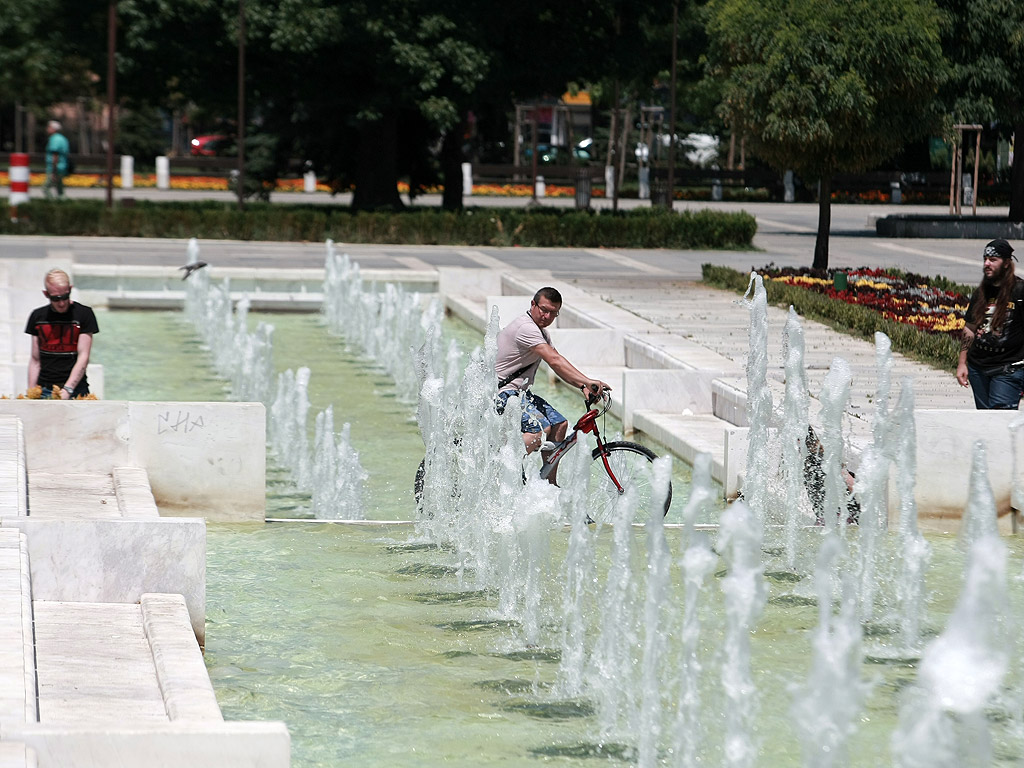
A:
[984,43]
[822,87]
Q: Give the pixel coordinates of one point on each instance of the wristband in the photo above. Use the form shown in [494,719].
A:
[69,390]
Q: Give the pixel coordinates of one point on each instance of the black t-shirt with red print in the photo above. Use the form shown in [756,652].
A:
[58,334]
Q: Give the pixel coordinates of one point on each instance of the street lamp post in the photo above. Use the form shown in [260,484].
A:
[241,104]
[672,111]
[111,95]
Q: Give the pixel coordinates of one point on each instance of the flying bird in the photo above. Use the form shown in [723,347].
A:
[194,263]
[190,268]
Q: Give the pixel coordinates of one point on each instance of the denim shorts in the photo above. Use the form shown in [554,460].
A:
[538,414]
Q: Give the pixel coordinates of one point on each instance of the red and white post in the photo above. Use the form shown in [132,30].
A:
[19,182]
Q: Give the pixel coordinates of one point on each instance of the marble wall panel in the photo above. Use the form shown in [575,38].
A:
[117,561]
[592,347]
[666,391]
[945,445]
[203,458]
[460,281]
[509,307]
[177,744]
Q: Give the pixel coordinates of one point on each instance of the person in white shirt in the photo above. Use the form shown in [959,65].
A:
[522,345]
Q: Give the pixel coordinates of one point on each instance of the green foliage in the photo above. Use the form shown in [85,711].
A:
[820,86]
[641,228]
[935,349]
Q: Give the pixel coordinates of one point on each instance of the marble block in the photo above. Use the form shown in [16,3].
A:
[666,391]
[945,447]
[462,281]
[15,754]
[17,657]
[134,496]
[171,745]
[180,671]
[510,307]
[13,476]
[117,561]
[589,346]
[202,458]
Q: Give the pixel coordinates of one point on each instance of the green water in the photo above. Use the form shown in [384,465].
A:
[377,652]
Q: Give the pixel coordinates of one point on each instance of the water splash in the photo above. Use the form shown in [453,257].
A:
[391,325]
[745,595]
[827,706]
[760,459]
[942,721]
[698,562]
[792,435]
[835,394]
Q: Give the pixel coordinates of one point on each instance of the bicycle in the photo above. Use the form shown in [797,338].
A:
[616,466]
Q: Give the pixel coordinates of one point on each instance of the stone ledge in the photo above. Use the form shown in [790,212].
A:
[171,745]
[180,671]
[973,227]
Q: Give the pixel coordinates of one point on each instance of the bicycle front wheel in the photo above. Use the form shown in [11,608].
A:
[630,464]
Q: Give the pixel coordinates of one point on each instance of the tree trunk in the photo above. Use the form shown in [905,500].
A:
[376,177]
[1017,177]
[824,223]
[451,168]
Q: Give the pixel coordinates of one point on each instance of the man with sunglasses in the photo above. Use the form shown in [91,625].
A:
[522,344]
[61,340]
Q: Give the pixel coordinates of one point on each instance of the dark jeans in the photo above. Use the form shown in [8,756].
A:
[997,389]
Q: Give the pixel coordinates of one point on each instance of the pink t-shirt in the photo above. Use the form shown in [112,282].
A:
[517,343]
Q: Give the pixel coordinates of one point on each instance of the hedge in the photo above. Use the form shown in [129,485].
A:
[939,350]
[537,227]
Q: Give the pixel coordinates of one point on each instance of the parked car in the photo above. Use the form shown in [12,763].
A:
[548,155]
[213,145]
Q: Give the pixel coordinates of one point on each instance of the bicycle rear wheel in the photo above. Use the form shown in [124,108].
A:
[630,463]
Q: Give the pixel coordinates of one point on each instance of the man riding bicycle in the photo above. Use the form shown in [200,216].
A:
[522,344]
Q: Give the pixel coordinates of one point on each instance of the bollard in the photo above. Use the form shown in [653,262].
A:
[163,173]
[896,194]
[127,172]
[644,178]
[789,187]
[716,190]
[583,189]
[541,187]
[467,178]
[18,176]
[309,182]
[609,181]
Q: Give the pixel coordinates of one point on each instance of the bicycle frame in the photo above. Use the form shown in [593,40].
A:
[587,424]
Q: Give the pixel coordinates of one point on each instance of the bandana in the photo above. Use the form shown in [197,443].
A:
[999,248]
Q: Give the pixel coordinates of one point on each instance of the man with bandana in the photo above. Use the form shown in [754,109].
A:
[992,342]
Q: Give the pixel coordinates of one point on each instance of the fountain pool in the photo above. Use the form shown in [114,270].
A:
[378,651]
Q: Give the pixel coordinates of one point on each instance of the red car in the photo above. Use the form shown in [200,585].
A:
[210,146]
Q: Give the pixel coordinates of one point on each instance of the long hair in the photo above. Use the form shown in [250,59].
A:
[1008,281]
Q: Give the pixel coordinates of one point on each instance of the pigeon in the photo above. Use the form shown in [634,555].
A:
[193,259]
[190,268]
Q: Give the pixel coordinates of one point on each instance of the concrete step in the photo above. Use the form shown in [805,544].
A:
[72,496]
[17,654]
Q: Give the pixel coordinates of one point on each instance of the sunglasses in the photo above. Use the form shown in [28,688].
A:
[61,297]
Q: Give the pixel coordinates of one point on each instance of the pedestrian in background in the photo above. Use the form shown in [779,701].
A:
[57,149]
[992,342]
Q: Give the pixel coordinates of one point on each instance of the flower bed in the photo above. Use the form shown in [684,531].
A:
[903,298]
[220,183]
